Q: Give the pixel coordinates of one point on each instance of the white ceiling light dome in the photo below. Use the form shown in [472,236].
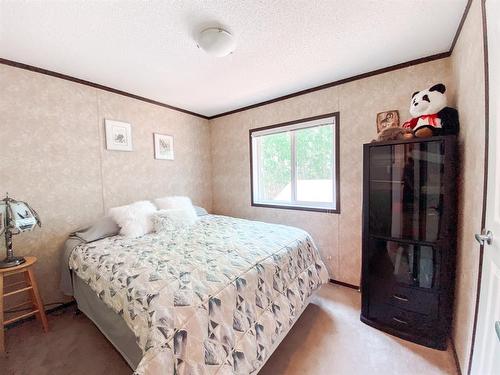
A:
[216,41]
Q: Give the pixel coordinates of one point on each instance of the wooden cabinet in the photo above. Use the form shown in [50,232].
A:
[409,238]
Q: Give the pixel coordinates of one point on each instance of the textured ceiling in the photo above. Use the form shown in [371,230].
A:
[147,47]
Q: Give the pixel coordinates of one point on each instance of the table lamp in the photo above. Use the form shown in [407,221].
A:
[15,217]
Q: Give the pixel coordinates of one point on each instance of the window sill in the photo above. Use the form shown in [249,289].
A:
[298,208]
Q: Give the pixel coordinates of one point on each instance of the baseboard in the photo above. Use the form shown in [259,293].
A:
[48,312]
[455,356]
[347,285]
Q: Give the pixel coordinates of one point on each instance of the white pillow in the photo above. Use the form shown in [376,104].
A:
[134,220]
[168,203]
[173,219]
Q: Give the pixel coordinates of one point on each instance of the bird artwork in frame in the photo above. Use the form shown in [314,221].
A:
[388,119]
[118,135]
[164,146]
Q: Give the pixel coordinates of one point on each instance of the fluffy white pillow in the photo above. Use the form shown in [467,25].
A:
[173,219]
[168,203]
[134,220]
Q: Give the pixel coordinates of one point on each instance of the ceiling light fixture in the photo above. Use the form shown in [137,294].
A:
[216,42]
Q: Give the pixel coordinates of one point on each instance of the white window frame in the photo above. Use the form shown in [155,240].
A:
[255,134]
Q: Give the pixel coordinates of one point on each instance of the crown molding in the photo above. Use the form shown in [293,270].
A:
[96,85]
[259,104]
[460,25]
[339,82]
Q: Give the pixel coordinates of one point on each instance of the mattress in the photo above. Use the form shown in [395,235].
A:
[215,298]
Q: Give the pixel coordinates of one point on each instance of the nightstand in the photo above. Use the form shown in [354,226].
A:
[28,285]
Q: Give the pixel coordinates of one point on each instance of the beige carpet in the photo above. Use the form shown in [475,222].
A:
[328,339]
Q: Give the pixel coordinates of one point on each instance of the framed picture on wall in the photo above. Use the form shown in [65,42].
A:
[164,146]
[388,119]
[118,135]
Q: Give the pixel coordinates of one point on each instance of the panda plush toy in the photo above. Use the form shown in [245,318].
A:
[431,116]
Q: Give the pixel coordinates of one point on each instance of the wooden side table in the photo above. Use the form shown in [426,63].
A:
[28,285]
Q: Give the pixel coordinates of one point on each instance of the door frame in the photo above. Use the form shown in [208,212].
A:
[485,180]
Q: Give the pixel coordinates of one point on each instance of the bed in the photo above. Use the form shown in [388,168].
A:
[214,298]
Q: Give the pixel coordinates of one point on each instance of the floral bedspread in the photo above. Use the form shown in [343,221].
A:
[215,298]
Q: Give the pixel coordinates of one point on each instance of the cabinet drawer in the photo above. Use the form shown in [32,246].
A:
[410,299]
[402,319]
[414,300]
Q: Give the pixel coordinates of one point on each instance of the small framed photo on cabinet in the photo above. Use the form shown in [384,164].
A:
[164,146]
[118,135]
[388,119]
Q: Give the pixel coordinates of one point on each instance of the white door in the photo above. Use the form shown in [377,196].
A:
[486,357]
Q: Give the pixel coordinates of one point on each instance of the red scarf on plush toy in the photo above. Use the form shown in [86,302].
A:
[431,120]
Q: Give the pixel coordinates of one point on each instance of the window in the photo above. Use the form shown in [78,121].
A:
[295,165]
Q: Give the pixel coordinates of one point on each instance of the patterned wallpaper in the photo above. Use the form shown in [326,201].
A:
[338,236]
[53,156]
[468,72]
[66,173]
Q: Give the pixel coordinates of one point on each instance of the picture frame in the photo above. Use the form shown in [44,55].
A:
[163,146]
[387,119]
[118,135]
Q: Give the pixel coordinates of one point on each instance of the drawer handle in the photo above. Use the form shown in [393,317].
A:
[399,298]
[399,320]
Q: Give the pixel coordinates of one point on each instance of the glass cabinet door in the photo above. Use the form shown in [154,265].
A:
[406,190]
[403,263]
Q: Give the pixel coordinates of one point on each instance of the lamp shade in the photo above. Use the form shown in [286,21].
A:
[15,217]
[216,42]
